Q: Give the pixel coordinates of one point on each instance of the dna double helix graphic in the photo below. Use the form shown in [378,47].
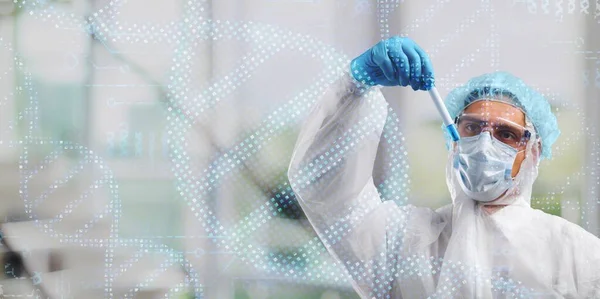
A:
[188,107]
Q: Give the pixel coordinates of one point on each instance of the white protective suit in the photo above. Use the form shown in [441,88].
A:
[457,251]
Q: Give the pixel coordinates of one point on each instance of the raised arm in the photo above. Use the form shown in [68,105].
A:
[331,174]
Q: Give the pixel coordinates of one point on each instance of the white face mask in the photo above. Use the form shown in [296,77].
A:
[484,166]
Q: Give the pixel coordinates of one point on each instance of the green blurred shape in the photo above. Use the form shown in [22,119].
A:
[151,209]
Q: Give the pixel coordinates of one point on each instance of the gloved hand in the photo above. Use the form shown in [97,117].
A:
[394,61]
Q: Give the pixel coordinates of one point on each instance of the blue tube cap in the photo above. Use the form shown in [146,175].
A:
[453,132]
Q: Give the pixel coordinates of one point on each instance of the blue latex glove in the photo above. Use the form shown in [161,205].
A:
[394,61]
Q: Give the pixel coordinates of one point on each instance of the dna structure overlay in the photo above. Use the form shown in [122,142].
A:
[205,103]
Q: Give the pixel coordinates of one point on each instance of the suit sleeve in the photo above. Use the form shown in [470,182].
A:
[331,175]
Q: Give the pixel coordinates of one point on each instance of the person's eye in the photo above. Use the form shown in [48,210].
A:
[472,128]
[507,135]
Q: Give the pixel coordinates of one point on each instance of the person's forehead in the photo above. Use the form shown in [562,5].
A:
[491,109]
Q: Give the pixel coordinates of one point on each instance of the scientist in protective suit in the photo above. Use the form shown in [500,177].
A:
[489,243]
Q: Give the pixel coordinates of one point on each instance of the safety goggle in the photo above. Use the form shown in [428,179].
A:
[504,130]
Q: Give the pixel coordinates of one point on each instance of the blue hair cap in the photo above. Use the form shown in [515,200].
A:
[505,85]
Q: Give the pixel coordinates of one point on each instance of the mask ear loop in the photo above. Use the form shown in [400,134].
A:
[528,171]
[534,144]
[532,153]
[529,164]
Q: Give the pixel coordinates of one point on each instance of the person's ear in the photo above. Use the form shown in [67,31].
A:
[537,152]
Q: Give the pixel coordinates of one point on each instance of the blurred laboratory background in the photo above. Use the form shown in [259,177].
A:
[144,144]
